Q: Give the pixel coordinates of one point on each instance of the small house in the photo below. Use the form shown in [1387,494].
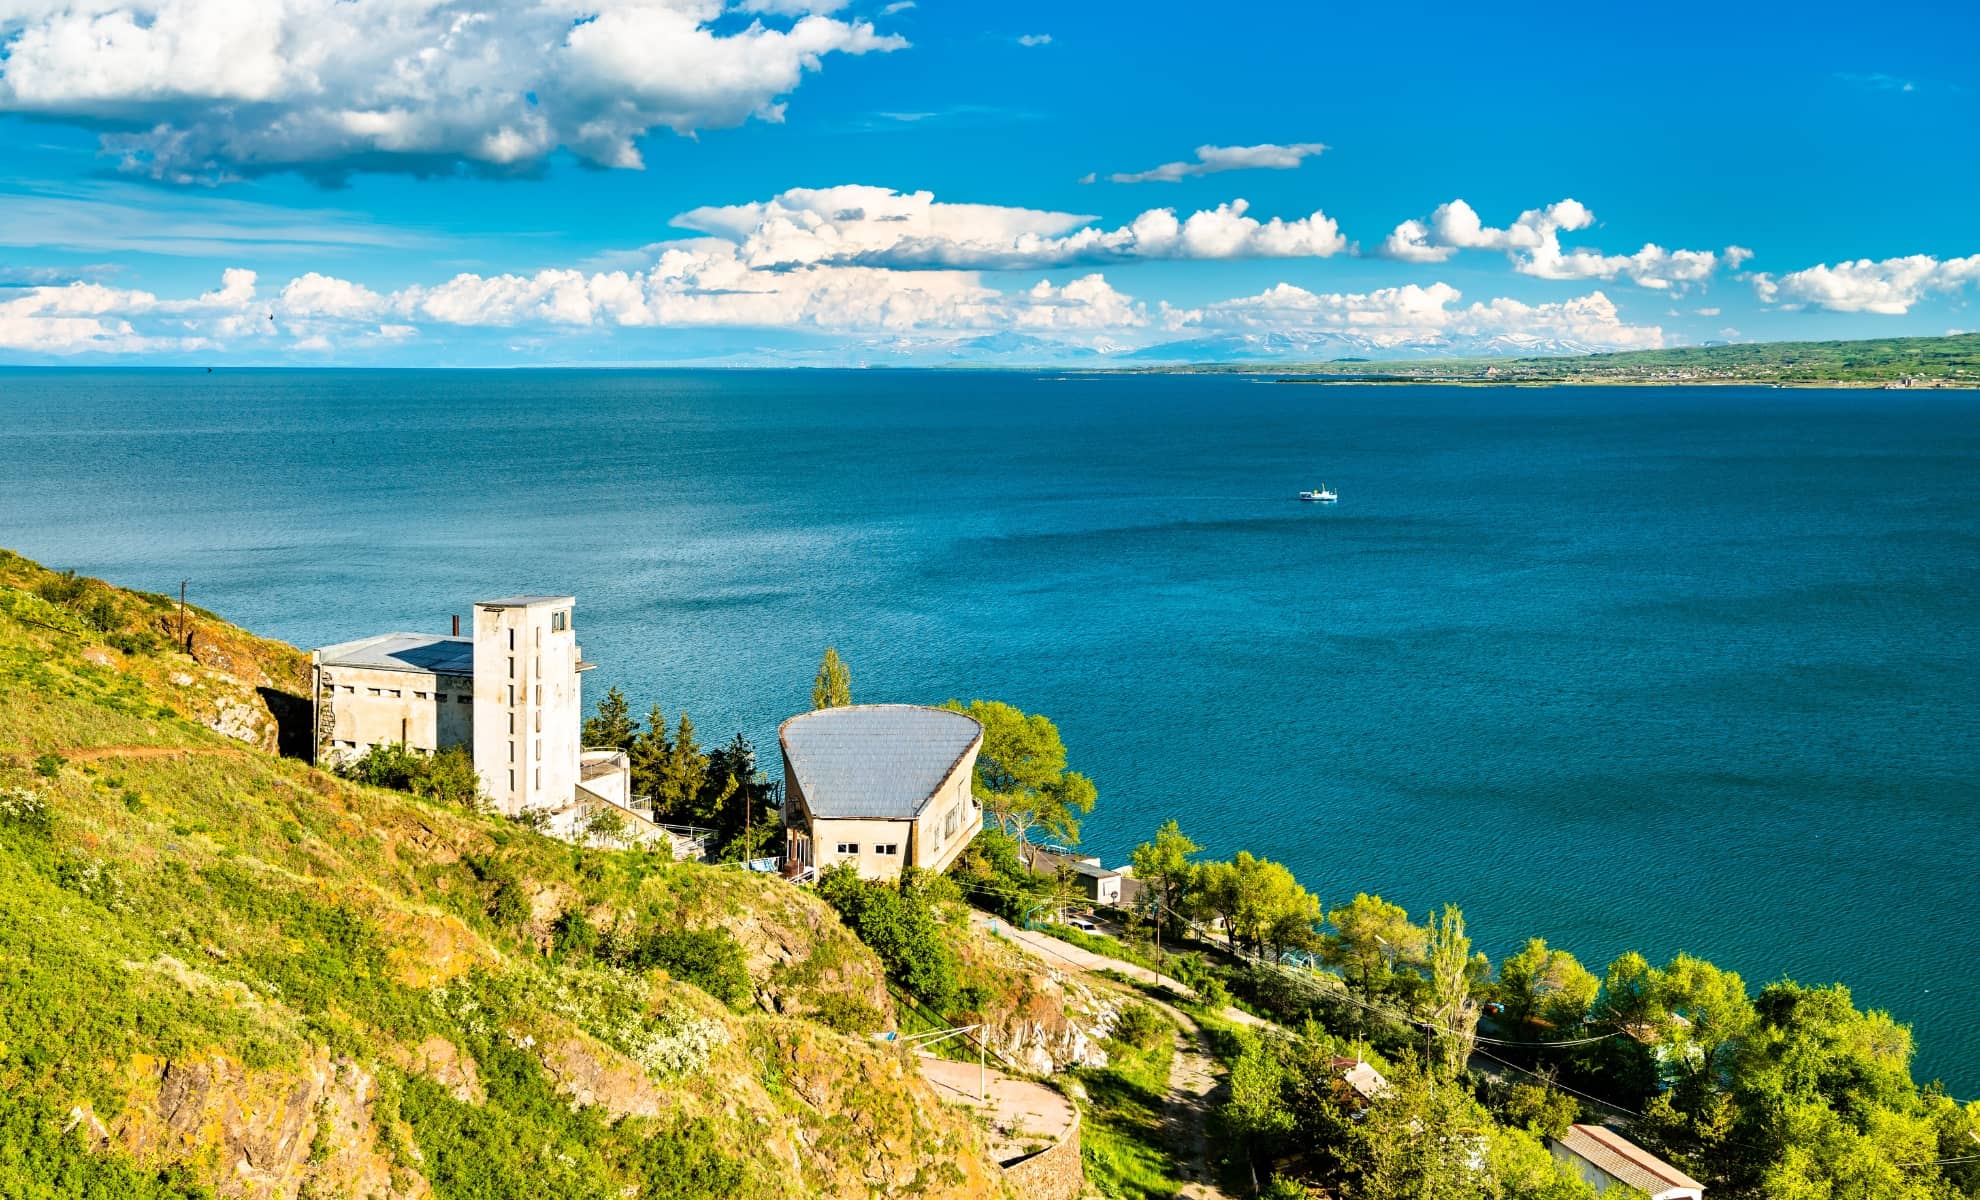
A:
[1604,1158]
[880,786]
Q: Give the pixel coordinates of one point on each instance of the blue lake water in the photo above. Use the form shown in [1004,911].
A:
[1625,668]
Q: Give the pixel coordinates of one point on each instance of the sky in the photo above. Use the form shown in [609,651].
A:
[855,182]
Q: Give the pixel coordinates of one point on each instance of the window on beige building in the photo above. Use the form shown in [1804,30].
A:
[887,848]
[848,847]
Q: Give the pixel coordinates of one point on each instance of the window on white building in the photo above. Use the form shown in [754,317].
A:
[560,621]
[887,848]
[849,847]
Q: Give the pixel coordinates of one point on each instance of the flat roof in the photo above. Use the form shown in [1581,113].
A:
[428,653]
[524,601]
[1617,1156]
[875,761]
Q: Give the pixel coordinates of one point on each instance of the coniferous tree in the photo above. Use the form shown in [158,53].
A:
[613,728]
[833,686]
[650,750]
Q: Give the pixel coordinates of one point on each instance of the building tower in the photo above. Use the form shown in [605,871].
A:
[528,703]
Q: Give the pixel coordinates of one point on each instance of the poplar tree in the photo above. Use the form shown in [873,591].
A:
[833,686]
[1451,1009]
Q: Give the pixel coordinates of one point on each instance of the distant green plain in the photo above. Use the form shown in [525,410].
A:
[1923,361]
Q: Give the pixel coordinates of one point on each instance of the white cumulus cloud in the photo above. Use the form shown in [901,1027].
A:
[1890,285]
[1418,315]
[1212,159]
[204,89]
[879,227]
[1533,243]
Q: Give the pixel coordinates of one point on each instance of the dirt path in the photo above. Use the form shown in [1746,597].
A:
[96,753]
[1193,1080]
[1193,1088]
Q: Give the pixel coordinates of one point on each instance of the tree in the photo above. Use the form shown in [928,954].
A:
[1256,1110]
[1451,1008]
[613,728]
[1021,774]
[833,686]
[1716,1012]
[1546,984]
[681,789]
[1164,868]
[1371,938]
[738,798]
[649,752]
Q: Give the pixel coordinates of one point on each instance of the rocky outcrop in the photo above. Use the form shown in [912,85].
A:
[1040,1019]
[271,1134]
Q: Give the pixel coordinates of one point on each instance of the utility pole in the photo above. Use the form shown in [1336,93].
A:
[182,616]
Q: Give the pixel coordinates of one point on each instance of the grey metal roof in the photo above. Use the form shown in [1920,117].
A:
[524,601]
[880,761]
[434,654]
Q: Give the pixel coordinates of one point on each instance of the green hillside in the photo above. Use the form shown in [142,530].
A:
[1920,361]
[223,972]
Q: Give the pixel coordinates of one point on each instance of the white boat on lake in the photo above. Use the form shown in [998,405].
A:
[1319,495]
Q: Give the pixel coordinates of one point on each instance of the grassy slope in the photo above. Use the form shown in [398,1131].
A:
[223,969]
[1878,360]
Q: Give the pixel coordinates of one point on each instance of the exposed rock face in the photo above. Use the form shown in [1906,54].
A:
[595,1076]
[875,1122]
[264,1134]
[446,1064]
[1041,1019]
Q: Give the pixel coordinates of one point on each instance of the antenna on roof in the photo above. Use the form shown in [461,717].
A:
[457,624]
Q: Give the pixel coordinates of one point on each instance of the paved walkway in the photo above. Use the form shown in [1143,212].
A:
[1024,1117]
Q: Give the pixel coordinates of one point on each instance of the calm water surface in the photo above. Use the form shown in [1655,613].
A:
[1625,668]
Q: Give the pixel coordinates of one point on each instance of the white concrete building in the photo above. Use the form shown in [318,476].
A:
[511,693]
[1603,1158]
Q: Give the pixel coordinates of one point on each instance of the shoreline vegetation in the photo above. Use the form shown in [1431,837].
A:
[198,931]
[1898,363]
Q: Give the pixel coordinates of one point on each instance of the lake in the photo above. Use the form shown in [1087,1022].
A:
[1651,668]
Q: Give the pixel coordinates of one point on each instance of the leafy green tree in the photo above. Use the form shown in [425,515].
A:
[1256,1110]
[1260,903]
[1167,874]
[613,728]
[1372,938]
[1021,774]
[738,798]
[992,875]
[1716,1012]
[1452,1010]
[833,686]
[1543,1110]
[1546,984]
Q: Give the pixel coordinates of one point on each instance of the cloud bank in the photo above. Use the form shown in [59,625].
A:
[197,90]
[879,227]
[1890,286]
[1534,246]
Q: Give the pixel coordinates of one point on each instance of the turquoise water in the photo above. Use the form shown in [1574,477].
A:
[1652,668]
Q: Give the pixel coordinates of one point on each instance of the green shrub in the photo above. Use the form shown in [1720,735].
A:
[900,923]
[710,959]
[447,775]
[48,766]
[848,1014]
[1141,1026]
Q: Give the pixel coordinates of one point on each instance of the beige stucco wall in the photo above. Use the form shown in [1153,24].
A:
[372,706]
[528,706]
[950,820]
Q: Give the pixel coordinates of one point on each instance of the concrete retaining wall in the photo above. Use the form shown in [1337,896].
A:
[1054,1173]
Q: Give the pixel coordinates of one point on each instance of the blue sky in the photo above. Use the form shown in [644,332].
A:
[432,181]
